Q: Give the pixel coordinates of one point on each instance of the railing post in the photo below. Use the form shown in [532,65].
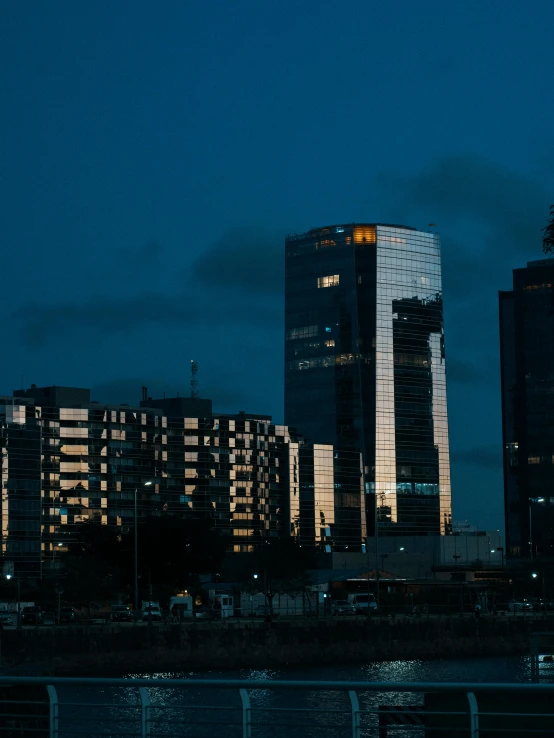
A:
[144,712]
[355,704]
[246,714]
[473,715]
[53,713]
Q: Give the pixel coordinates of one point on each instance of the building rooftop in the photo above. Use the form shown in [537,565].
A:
[339,227]
[541,263]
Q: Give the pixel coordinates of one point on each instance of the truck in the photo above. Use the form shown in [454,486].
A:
[181,607]
[151,611]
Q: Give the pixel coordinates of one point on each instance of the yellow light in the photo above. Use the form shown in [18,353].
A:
[365,234]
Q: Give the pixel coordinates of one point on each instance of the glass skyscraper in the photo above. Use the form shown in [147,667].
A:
[365,367]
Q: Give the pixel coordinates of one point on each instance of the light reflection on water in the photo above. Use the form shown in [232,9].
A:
[330,708]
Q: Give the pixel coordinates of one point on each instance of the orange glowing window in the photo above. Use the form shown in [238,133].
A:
[365,234]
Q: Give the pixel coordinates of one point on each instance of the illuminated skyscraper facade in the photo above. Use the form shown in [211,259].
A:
[365,365]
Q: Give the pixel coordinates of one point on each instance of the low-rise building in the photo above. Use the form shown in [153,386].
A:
[67,461]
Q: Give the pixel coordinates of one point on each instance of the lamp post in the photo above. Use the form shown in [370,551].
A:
[456,557]
[146,484]
[365,549]
[9,576]
[501,549]
[54,549]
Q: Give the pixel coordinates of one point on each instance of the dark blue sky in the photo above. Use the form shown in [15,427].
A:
[154,156]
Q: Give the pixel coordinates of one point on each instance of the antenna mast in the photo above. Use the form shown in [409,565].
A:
[193,380]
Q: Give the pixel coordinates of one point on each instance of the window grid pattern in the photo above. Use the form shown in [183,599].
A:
[411,421]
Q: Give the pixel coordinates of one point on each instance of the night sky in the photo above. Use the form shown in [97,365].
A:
[154,155]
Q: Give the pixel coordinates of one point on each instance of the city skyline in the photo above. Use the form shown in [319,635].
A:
[153,162]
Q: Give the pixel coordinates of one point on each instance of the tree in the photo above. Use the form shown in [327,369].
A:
[282,566]
[174,552]
[97,566]
[90,580]
[548,238]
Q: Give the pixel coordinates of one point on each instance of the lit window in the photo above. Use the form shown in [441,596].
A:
[534,460]
[365,234]
[330,342]
[331,281]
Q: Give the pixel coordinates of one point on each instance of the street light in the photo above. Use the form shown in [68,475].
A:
[146,484]
[501,549]
[365,549]
[9,576]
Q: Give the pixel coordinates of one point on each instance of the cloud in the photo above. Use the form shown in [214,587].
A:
[226,392]
[462,185]
[41,324]
[489,216]
[487,456]
[468,371]
[239,280]
[245,259]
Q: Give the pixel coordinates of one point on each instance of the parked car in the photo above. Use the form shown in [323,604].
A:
[152,613]
[6,619]
[342,607]
[363,602]
[32,615]
[121,614]
[67,615]
[519,606]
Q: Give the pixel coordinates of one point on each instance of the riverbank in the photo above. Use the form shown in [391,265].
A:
[116,650]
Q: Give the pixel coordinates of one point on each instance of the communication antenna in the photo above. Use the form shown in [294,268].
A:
[193,380]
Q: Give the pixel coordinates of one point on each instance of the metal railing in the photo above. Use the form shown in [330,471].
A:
[201,708]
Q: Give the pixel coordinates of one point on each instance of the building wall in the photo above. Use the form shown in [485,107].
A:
[527,362]
[21,492]
[412,466]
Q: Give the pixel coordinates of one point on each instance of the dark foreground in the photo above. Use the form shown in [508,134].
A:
[115,650]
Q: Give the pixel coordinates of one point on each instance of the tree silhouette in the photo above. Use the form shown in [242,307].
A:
[172,554]
[282,566]
[548,237]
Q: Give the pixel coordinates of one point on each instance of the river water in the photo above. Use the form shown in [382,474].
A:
[311,714]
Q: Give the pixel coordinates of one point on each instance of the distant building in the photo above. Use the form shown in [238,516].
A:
[527,371]
[69,461]
[365,366]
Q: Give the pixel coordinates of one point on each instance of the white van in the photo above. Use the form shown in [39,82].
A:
[362,601]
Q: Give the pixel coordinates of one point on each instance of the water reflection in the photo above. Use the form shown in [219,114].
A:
[303,712]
